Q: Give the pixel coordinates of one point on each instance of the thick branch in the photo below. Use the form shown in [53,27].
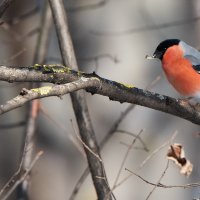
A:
[114,90]
[79,102]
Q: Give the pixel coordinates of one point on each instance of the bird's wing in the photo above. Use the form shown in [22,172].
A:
[197,68]
[194,59]
[192,54]
[195,62]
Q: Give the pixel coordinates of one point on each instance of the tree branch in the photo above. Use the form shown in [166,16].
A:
[160,185]
[79,102]
[34,106]
[22,177]
[109,134]
[4,5]
[46,91]
[114,90]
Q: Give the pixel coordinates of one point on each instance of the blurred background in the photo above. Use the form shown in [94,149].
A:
[111,37]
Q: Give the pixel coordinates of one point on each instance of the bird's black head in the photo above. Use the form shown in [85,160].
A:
[163,46]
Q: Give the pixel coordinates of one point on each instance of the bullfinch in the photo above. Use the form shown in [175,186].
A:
[181,65]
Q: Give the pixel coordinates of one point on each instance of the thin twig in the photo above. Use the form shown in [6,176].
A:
[121,182]
[79,184]
[124,160]
[135,147]
[160,185]
[86,146]
[30,33]
[23,176]
[154,82]
[107,137]
[18,37]
[125,157]
[125,113]
[28,148]
[34,106]
[46,91]
[60,125]
[158,149]
[158,182]
[4,5]
[145,161]
[14,176]
[17,54]
[135,135]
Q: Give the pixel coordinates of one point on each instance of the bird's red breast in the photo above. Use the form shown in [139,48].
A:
[179,71]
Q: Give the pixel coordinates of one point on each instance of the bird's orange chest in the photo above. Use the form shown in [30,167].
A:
[179,71]
[172,57]
[174,63]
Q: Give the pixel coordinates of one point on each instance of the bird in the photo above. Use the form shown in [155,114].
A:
[181,65]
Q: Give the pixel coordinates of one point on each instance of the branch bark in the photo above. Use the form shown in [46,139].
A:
[46,91]
[79,103]
[34,106]
[4,5]
[114,90]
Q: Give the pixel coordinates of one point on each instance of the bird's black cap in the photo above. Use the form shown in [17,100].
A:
[163,46]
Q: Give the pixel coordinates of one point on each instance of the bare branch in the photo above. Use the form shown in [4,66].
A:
[136,147]
[16,36]
[145,161]
[85,145]
[14,56]
[4,5]
[79,184]
[158,182]
[13,178]
[125,157]
[23,176]
[34,107]
[46,91]
[107,137]
[158,149]
[114,90]
[79,102]
[65,129]
[134,135]
[124,160]
[186,186]
[28,147]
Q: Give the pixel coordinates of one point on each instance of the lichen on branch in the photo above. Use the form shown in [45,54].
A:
[58,74]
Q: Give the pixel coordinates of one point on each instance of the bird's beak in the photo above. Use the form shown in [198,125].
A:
[150,57]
